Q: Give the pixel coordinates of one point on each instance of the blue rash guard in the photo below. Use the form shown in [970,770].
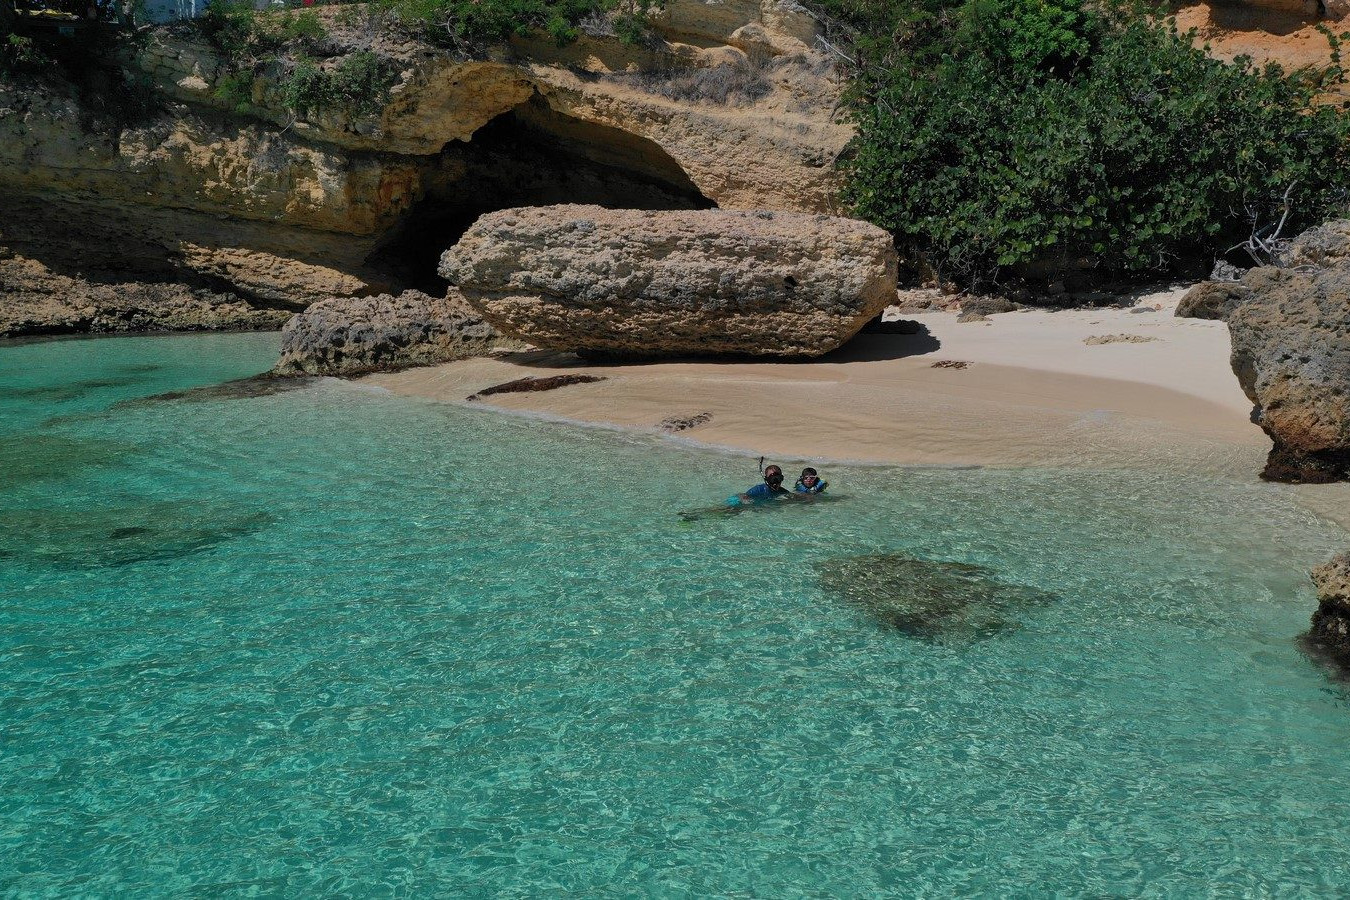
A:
[820,487]
[762,491]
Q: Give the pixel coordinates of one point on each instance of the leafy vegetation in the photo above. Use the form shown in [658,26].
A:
[250,42]
[996,134]
[359,84]
[468,26]
[19,54]
[111,98]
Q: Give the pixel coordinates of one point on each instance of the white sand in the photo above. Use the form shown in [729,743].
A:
[1034,394]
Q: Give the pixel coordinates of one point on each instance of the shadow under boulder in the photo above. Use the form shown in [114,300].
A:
[929,599]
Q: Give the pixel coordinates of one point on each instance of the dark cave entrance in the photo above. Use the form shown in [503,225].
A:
[531,156]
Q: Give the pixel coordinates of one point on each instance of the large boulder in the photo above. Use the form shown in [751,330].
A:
[355,335]
[1330,634]
[1326,245]
[1211,300]
[1291,353]
[640,284]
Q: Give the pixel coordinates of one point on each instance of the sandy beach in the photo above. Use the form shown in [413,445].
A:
[1034,392]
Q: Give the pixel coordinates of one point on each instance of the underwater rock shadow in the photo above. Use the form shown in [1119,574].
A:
[71,390]
[112,537]
[29,456]
[930,600]
[264,385]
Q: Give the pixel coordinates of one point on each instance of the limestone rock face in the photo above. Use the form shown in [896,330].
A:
[354,335]
[1330,632]
[36,300]
[283,208]
[1211,300]
[1326,245]
[642,284]
[1291,353]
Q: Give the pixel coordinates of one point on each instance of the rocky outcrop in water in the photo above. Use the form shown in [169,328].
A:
[356,335]
[1291,353]
[1330,634]
[644,284]
[929,599]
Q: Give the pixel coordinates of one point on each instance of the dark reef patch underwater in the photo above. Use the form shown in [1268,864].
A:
[929,599]
[330,641]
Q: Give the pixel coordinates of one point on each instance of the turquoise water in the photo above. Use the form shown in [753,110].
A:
[329,641]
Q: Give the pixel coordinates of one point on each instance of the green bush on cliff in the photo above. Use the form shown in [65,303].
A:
[359,85]
[998,133]
[471,25]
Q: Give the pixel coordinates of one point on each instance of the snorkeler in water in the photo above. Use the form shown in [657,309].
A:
[771,489]
[810,482]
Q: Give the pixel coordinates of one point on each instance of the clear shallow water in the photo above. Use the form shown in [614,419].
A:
[331,641]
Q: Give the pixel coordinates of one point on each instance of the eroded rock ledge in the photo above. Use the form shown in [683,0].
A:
[630,283]
[357,335]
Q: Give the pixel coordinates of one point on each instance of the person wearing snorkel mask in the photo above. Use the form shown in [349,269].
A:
[810,482]
[771,489]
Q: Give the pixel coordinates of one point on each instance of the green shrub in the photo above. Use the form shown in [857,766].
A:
[246,38]
[19,54]
[470,25]
[359,85]
[1007,132]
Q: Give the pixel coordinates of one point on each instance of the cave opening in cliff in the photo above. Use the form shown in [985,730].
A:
[530,156]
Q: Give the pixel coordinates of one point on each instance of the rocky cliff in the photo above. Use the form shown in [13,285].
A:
[730,107]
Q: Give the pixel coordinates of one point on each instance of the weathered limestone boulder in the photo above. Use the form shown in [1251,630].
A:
[1330,634]
[355,335]
[1291,353]
[641,284]
[987,305]
[1211,300]
[35,300]
[1326,245]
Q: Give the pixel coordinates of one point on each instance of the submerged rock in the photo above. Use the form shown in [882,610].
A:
[633,283]
[356,335]
[264,385]
[110,536]
[1330,634]
[929,599]
[1291,353]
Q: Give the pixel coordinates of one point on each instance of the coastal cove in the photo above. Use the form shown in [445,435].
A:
[1107,388]
[318,637]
